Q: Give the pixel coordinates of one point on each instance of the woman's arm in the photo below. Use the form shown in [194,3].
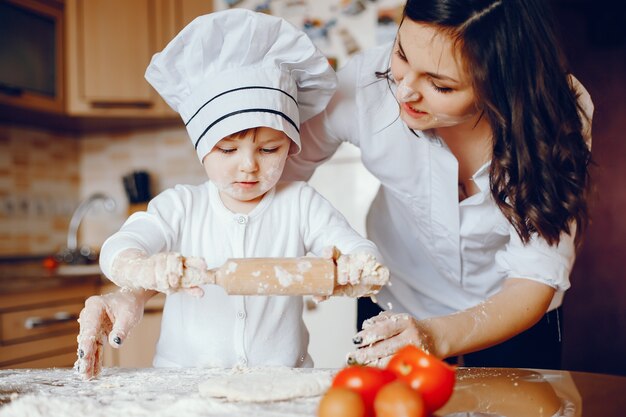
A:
[516,307]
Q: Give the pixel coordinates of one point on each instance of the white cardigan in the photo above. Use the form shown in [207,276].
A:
[221,330]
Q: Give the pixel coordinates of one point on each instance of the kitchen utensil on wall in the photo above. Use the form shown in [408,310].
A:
[137,187]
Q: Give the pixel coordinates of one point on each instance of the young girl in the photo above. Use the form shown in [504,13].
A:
[242,107]
[476,132]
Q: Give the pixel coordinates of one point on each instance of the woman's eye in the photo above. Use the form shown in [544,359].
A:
[441,89]
[400,54]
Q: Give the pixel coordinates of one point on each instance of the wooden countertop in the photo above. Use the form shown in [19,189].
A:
[17,277]
[166,392]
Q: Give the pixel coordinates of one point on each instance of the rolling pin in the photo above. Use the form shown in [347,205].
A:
[286,276]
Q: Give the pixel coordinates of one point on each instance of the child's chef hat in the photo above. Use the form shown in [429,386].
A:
[238,69]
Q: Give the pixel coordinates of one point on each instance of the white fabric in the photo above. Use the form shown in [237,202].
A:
[443,256]
[220,330]
[238,69]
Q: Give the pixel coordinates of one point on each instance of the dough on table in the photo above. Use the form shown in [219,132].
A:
[267,384]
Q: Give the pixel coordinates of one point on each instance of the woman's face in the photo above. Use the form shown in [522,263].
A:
[434,90]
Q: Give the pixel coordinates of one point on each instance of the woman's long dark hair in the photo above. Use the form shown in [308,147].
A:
[539,171]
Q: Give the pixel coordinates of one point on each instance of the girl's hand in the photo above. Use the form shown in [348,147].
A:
[110,316]
[165,272]
[358,275]
[382,336]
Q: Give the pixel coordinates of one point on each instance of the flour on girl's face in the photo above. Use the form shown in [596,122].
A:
[245,167]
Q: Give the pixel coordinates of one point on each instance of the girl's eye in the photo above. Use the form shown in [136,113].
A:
[227,150]
[269,150]
[443,90]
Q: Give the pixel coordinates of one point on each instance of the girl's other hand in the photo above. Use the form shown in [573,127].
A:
[110,316]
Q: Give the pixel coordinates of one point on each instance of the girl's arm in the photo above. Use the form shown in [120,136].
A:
[516,307]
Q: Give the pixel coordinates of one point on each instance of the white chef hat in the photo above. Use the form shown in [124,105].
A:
[238,69]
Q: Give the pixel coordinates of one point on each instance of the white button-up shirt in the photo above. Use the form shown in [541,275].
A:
[444,256]
[221,330]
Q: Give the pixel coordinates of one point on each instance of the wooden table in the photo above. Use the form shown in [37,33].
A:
[174,392]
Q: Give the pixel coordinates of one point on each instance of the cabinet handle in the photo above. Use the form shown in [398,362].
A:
[38,322]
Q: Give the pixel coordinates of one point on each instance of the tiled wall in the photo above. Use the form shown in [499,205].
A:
[44,175]
[166,154]
[39,186]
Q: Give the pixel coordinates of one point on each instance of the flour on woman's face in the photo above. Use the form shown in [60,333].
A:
[246,165]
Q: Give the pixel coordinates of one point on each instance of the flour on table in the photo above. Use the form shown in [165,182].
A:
[147,392]
[266,384]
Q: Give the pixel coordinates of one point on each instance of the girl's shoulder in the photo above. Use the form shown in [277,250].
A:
[285,189]
[183,194]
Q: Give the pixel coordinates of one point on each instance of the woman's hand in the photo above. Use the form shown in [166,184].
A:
[165,272]
[110,316]
[516,307]
[382,336]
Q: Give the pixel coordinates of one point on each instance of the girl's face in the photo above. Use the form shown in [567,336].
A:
[244,167]
[434,90]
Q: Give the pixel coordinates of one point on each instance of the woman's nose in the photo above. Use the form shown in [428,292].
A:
[406,91]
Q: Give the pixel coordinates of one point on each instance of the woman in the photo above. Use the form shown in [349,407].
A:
[477,134]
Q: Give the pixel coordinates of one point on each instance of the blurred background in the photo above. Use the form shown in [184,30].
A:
[84,141]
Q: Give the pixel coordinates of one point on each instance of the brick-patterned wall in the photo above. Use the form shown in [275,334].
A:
[39,187]
[45,174]
[166,154]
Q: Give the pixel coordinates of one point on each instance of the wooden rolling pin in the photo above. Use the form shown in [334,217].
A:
[283,276]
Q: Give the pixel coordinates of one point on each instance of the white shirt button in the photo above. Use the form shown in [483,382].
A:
[241,315]
[241,219]
[243,361]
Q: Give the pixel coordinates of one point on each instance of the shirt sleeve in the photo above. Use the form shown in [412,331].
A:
[538,261]
[152,231]
[322,134]
[325,226]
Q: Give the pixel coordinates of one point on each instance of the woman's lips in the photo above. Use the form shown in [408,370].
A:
[413,113]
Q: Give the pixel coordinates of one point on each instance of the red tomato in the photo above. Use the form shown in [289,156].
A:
[364,380]
[428,375]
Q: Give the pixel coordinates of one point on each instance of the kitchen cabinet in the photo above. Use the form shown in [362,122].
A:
[109,44]
[102,50]
[38,328]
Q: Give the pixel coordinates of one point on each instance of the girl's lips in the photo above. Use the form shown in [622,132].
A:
[247,184]
[413,113]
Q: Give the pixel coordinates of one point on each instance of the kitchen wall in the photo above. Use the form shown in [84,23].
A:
[166,154]
[44,174]
[39,187]
[594,334]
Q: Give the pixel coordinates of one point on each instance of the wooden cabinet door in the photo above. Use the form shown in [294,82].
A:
[110,43]
[187,10]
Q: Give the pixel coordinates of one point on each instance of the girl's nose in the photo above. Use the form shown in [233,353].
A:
[248,163]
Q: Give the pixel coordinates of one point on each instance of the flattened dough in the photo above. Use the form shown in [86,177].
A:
[267,384]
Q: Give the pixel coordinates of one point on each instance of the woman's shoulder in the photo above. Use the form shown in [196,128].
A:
[363,66]
[376,59]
